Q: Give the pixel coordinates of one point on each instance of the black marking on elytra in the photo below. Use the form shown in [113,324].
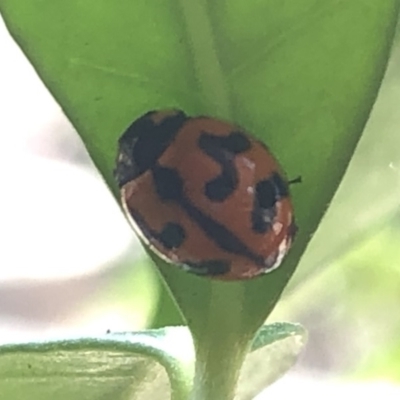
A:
[282,188]
[219,234]
[261,219]
[209,267]
[264,210]
[168,183]
[223,149]
[143,143]
[170,188]
[267,193]
[172,235]
[236,142]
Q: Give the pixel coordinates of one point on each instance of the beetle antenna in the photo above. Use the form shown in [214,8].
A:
[295,180]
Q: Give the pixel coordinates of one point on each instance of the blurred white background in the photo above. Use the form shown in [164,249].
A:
[60,228]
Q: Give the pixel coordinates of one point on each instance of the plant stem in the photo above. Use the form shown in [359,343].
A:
[220,346]
[208,70]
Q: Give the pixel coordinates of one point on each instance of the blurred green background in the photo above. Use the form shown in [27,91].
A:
[346,289]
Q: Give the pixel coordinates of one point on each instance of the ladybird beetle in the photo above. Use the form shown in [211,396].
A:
[205,195]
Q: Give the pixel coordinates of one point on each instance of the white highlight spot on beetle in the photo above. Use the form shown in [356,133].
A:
[277,227]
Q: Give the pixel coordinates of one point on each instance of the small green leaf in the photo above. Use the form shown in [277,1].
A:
[111,366]
[154,364]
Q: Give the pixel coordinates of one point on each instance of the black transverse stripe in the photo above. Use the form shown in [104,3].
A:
[219,234]
[216,232]
[169,186]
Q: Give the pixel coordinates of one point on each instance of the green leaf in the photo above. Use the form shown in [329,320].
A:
[110,366]
[142,365]
[374,168]
[302,75]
